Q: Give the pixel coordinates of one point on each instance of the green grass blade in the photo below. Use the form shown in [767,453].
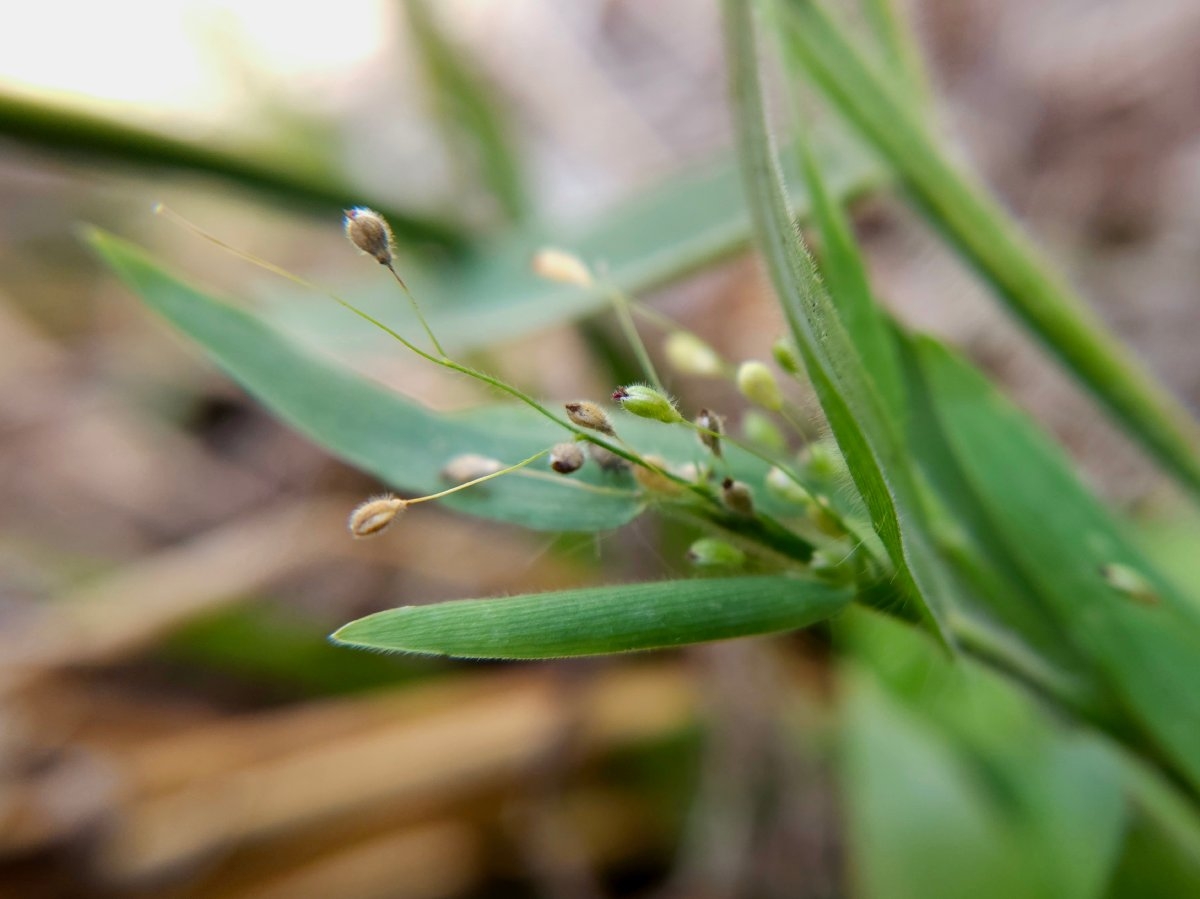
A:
[1145,648]
[987,238]
[468,112]
[899,43]
[599,620]
[90,137]
[846,276]
[869,439]
[379,431]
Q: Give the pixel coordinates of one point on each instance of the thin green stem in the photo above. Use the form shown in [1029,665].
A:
[417,309]
[479,480]
[621,305]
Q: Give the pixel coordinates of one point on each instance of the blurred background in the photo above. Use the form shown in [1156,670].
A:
[172,722]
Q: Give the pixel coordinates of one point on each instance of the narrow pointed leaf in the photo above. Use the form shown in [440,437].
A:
[599,620]
[992,242]
[846,276]
[868,437]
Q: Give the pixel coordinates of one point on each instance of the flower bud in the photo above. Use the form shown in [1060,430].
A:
[689,355]
[646,402]
[710,553]
[761,430]
[560,266]
[785,356]
[566,458]
[375,515]
[468,467]
[710,436]
[786,489]
[737,497]
[587,414]
[369,231]
[757,384]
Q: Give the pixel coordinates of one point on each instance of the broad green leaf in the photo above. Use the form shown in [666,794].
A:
[599,620]
[468,111]
[663,233]
[988,239]
[91,137]
[1146,649]
[379,431]
[868,437]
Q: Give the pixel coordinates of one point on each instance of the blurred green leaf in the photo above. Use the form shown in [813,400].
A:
[1062,540]
[379,431]
[468,111]
[663,233]
[956,784]
[598,620]
[867,433]
[991,241]
[92,137]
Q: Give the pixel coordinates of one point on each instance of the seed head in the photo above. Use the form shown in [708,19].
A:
[737,497]
[587,414]
[468,467]
[758,385]
[566,458]
[560,266]
[822,514]
[710,422]
[710,553]
[689,355]
[646,402]
[375,515]
[369,231]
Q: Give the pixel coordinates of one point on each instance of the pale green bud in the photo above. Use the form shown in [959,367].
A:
[1129,582]
[785,356]
[786,489]
[689,355]
[758,385]
[560,266]
[646,402]
[824,460]
[710,553]
[761,430]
